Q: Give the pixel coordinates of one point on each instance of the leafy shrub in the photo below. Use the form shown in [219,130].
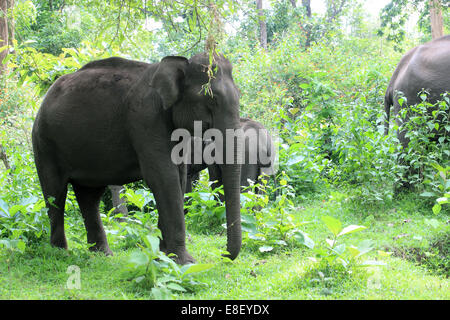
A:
[268,226]
[23,223]
[205,212]
[152,269]
[348,256]
[428,134]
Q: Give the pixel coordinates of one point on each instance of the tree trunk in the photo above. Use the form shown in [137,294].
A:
[334,9]
[4,33]
[307,5]
[119,203]
[262,25]
[437,25]
[294,3]
[4,158]
[6,29]
[11,28]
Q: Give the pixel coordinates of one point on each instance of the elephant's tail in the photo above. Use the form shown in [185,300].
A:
[388,102]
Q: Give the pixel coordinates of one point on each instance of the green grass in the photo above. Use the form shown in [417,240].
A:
[416,269]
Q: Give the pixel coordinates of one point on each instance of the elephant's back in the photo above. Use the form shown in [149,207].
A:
[92,95]
[427,68]
[85,114]
[99,81]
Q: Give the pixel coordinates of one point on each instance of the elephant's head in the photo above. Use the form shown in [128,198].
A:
[191,95]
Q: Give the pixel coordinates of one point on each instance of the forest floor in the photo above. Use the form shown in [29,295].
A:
[410,241]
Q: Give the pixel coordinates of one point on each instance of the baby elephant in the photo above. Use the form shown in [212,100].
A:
[259,158]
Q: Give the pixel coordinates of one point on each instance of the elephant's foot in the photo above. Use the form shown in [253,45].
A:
[102,247]
[58,241]
[181,257]
[184,258]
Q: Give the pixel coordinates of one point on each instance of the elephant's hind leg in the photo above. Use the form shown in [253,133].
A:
[88,200]
[54,189]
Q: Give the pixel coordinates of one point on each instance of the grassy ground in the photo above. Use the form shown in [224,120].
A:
[418,267]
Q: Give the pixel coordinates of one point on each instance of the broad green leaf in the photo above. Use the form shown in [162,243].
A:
[138,258]
[257,236]
[295,160]
[365,246]
[330,242]
[195,268]
[437,167]
[304,85]
[6,243]
[21,245]
[16,208]
[139,279]
[248,224]
[443,200]
[354,252]
[165,258]
[333,224]
[265,248]
[153,242]
[437,208]
[303,238]
[427,194]
[350,229]
[176,287]
[4,209]
[339,250]
[293,111]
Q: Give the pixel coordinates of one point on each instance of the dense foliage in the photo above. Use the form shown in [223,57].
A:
[323,102]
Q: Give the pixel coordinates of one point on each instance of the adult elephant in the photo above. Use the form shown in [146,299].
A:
[426,67]
[258,158]
[110,123]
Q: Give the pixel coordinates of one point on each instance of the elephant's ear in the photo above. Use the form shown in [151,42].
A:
[168,79]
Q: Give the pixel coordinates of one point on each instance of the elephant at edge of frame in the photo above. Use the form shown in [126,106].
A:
[110,123]
[425,67]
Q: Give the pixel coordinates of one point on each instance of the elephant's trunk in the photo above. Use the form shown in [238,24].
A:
[231,177]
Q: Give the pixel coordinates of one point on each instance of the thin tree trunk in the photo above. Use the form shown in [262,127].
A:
[262,25]
[4,158]
[307,5]
[119,203]
[4,33]
[437,24]
[11,25]
[294,3]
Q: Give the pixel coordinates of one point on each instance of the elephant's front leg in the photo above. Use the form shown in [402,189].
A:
[183,177]
[163,178]
[215,175]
